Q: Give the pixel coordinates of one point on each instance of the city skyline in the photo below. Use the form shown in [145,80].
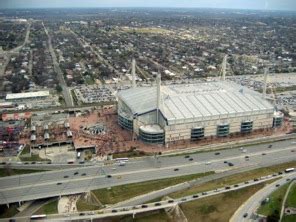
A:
[289,5]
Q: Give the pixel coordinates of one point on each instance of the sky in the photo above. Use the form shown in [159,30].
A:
[237,4]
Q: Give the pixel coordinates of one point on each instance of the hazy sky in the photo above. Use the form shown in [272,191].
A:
[242,4]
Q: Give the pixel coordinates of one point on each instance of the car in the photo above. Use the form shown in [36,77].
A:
[66,176]
[270,146]
[195,196]
[84,174]
[48,162]
[292,151]
[187,156]
[26,163]
[274,175]
[244,151]
[171,201]
[217,153]
[184,199]
[216,190]
[76,173]
[225,161]
[208,163]
[144,206]
[277,185]
[3,163]
[245,215]
[114,211]
[256,179]
[33,162]
[241,148]
[59,183]
[81,162]
[246,182]
[263,154]
[204,193]
[280,173]
[176,169]
[82,214]
[288,179]
[236,185]
[230,164]
[108,176]
[190,159]
[227,188]
[157,204]
[247,157]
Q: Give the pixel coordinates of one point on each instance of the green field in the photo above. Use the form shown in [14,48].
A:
[291,218]
[49,208]
[124,192]
[84,206]
[291,199]
[33,157]
[11,172]
[275,202]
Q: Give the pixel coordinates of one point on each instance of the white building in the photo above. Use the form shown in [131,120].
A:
[162,114]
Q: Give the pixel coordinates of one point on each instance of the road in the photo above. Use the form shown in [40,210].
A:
[73,181]
[247,211]
[136,209]
[65,90]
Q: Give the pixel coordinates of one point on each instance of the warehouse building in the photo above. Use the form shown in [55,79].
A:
[163,114]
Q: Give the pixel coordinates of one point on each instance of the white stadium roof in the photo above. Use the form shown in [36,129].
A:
[27,95]
[194,102]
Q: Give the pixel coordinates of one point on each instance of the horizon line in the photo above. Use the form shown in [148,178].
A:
[143,7]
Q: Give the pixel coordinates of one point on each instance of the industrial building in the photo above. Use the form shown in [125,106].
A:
[168,113]
[27,96]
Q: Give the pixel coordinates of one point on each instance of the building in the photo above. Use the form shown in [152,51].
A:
[164,114]
[28,95]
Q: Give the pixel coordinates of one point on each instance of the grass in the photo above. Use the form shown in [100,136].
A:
[33,157]
[154,216]
[11,172]
[8,212]
[215,209]
[125,192]
[275,201]
[291,199]
[290,218]
[132,153]
[49,208]
[26,150]
[84,206]
[233,179]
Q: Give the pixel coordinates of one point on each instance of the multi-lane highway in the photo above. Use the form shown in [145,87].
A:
[78,180]
[136,209]
[247,211]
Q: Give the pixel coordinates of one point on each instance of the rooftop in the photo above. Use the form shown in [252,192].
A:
[27,95]
[200,101]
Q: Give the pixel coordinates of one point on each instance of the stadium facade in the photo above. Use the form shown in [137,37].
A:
[163,114]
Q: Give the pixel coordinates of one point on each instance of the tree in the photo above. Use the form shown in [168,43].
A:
[59,89]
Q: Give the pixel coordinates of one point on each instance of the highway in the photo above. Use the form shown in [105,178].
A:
[66,92]
[247,211]
[136,209]
[78,180]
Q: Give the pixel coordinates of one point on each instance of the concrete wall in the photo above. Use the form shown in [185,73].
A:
[183,131]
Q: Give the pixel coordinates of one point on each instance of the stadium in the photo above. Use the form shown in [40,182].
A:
[165,113]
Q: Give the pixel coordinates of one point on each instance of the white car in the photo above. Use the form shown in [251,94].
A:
[208,163]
